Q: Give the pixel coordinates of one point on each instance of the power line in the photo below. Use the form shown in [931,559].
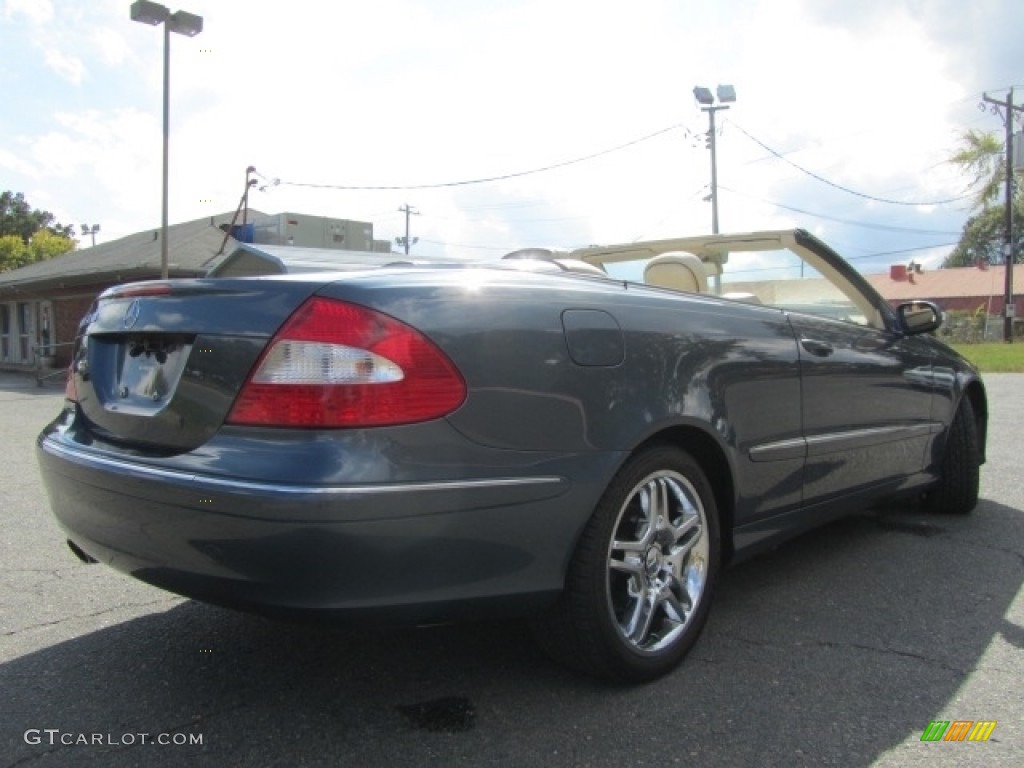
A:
[851,222]
[902,251]
[840,187]
[899,252]
[484,180]
[672,213]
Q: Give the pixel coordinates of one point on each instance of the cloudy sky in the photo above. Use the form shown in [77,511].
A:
[846,114]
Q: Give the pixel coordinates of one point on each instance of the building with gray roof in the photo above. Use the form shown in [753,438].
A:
[41,304]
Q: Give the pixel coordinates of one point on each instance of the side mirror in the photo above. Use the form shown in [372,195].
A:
[919,317]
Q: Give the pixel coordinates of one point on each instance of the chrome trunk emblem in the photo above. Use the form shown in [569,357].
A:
[131,315]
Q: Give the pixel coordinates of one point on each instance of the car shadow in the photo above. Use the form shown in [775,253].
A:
[833,648]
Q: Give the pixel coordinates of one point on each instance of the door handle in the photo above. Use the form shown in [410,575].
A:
[817,348]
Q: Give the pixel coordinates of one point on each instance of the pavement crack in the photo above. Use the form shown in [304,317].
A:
[893,652]
[73,616]
[1018,556]
[858,646]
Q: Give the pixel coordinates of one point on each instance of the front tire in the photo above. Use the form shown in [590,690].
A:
[639,586]
[957,490]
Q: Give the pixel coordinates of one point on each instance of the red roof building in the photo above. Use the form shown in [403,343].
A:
[961,288]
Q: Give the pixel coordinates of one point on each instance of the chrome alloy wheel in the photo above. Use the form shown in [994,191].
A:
[657,561]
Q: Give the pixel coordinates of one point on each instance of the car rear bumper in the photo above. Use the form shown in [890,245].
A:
[412,550]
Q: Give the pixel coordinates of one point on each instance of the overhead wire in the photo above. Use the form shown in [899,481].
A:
[625,145]
[487,179]
[851,222]
[898,252]
[840,187]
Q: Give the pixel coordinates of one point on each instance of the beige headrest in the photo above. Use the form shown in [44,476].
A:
[677,270]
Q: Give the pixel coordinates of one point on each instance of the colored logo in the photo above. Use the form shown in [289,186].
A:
[958,730]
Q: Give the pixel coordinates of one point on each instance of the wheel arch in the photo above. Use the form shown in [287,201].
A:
[707,452]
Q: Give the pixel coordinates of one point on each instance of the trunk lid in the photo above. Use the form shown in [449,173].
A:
[158,364]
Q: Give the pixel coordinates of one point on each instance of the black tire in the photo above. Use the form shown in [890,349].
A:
[653,541]
[956,493]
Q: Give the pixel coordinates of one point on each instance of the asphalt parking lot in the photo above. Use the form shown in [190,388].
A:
[837,649]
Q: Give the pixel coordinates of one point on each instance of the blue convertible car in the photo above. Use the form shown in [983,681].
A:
[585,437]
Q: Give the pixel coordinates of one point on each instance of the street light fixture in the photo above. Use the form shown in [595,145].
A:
[181,23]
[87,230]
[726,95]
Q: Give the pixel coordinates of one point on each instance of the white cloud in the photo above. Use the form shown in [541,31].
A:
[397,92]
[15,163]
[55,35]
[103,162]
[34,11]
[112,47]
[70,68]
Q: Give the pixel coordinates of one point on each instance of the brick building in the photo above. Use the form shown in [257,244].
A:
[962,288]
[976,294]
[42,303]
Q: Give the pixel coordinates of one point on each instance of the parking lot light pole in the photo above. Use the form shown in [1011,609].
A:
[87,230]
[726,95]
[182,23]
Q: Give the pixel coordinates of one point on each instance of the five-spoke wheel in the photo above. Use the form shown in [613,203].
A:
[640,582]
[658,561]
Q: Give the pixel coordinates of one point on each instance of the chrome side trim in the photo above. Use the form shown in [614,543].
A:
[833,442]
[820,445]
[783,450]
[227,484]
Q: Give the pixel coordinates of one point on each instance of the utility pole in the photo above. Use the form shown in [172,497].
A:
[726,95]
[405,241]
[1008,258]
[249,183]
[243,209]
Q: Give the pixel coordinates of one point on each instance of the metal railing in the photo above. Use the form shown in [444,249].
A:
[43,351]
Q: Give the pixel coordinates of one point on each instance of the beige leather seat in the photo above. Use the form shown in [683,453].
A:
[677,270]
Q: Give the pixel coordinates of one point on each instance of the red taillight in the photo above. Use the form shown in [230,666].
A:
[334,364]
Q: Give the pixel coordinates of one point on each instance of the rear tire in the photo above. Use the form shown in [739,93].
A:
[640,583]
[957,490]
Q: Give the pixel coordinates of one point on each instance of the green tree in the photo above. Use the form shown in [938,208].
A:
[28,234]
[982,156]
[983,237]
[13,252]
[45,245]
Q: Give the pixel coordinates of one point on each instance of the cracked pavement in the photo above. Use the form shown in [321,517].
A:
[837,649]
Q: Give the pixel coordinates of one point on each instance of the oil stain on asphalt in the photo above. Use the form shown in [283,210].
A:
[449,714]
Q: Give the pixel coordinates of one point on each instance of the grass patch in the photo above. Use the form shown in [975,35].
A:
[995,357]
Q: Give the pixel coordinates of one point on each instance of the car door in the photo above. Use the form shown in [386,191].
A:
[866,404]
